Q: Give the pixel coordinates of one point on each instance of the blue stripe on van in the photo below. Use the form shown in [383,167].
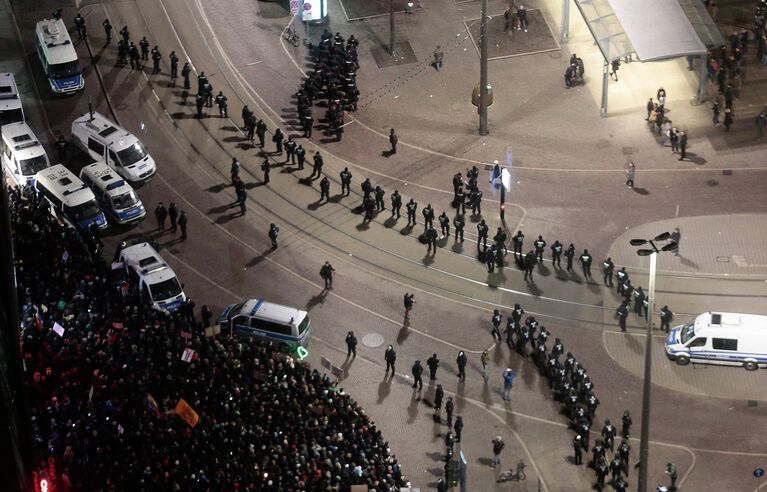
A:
[247,329]
[722,355]
[258,305]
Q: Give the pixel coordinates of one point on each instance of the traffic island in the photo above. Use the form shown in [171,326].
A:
[364,9]
[539,37]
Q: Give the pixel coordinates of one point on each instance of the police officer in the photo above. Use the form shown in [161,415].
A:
[273,231]
[459,223]
[411,208]
[156,57]
[408,302]
[666,316]
[134,56]
[417,370]
[626,421]
[324,188]
[431,240]
[639,298]
[439,393]
[518,242]
[622,277]
[367,189]
[277,138]
[186,70]
[173,66]
[578,449]
[623,313]
[601,468]
[598,451]
[391,357]
[476,202]
[490,258]
[160,214]
[396,203]
[616,467]
[433,364]
[586,263]
[458,428]
[61,146]
[346,181]
[496,320]
[301,156]
[428,217]
[351,344]
[235,170]
[182,224]
[500,240]
[125,34]
[306,124]
[608,434]
[223,106]
[460,201]
[200,102]
[482,230]
[173,215]
[570,254]
[260,131]
[122,52]
[242,196]
[607,270]
[265,167]
[144,44]
[107,30]
[318,163]
[449,411]
[529,264]
[556,253]
[461,363]
[207,93]
[444,224]
[379,197]
[540,245]
[80,25]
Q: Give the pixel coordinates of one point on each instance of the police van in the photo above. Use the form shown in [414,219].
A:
[11,110]
[114,194]
[104,140]
[22,154]
[720,338]
[157,283]
[58,57]
[69,197]
[288,327]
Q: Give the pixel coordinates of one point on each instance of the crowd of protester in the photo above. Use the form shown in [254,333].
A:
[116,407]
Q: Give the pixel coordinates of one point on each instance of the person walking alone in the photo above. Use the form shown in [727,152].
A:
[326,272]
[508,381]
[408,301]
[273,231]
[351,345]
[630,173]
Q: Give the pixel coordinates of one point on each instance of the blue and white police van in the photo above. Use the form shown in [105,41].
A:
[720,338]
[22,153]
[69,197]
[288,327]
[155,279]
[114,194]
[58,57]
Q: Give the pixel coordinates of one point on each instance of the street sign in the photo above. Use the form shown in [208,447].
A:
[294,7]
[759,472]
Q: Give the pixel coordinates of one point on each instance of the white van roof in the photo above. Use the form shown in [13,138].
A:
[24,142]
[147,262]
[54,39]
[106,178]
[729,321]
[270,311]
[63,183]
[9,92]
[117,137]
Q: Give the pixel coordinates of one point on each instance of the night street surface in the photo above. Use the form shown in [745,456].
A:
[568,185]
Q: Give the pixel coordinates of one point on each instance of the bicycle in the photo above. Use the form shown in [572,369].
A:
[291,36]
[513,475]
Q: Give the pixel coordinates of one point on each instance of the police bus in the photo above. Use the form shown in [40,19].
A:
[58,57]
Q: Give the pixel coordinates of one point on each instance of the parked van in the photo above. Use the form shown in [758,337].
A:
[58,57]
[288,327]
[22,154]
[104,140]
[720,338]
[69,197]
[156,281]
[10,102]
[115,196]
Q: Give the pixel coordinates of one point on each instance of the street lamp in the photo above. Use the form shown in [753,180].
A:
[644,438]
[391,27]
[483,95]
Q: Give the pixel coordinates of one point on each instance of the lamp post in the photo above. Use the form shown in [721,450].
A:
[644,438]
[391,27]
[483,71]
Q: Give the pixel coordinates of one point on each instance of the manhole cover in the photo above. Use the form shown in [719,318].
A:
[722,259]
[372,340]
[628,150]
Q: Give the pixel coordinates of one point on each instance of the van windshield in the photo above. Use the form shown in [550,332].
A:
[33,165]
[165,289]
[132,154]
[303,326]
[687,333]
[125,200]
[11,116]
[65,70]
[83,211]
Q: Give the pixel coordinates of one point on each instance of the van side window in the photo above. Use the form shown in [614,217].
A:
[277,328]
[95,146]
[698,342]
[724,343]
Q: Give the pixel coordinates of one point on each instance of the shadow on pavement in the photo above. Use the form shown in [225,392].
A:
[315,300]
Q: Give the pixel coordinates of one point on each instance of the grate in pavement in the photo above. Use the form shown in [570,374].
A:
[722,259]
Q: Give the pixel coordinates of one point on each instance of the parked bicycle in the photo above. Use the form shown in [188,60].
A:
[513,475]
[291,36]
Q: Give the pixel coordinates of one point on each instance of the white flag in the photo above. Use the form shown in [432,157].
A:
[58,329]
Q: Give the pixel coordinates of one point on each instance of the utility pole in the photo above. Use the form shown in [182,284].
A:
[483,71]
[391,27]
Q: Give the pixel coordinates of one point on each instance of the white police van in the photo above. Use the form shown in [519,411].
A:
[11,110]
[288,327]
[22,154]
[69,197]
[155,279]
[720,338]
[104,140]
[114,194]
[58,57]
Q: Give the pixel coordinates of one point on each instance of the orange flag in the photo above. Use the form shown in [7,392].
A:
[187,413]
